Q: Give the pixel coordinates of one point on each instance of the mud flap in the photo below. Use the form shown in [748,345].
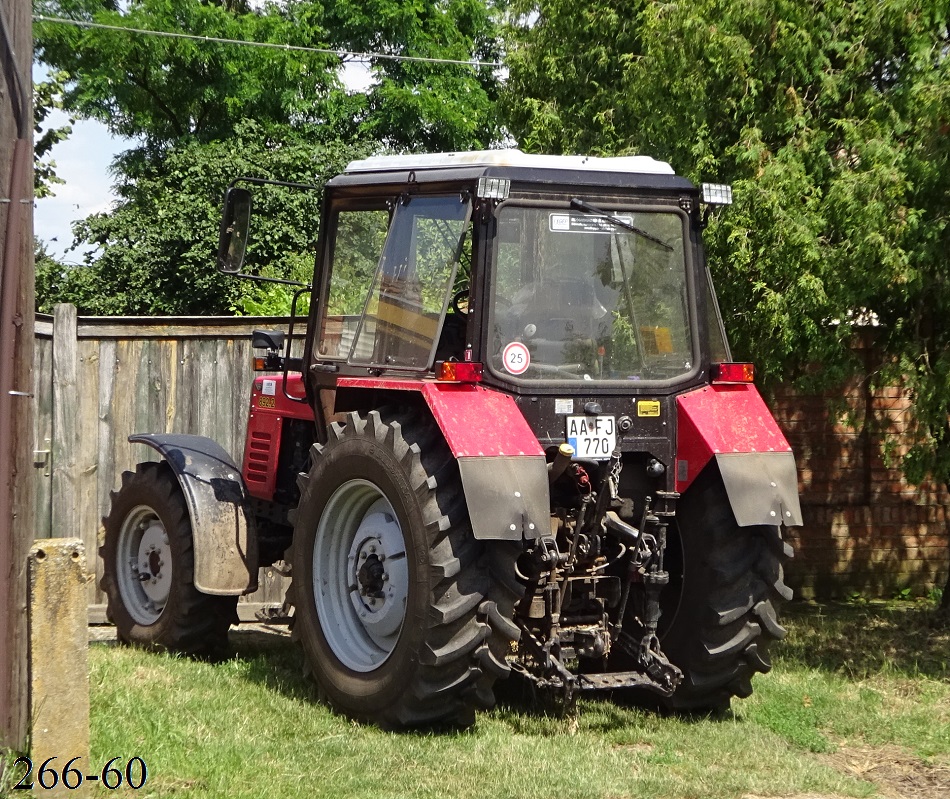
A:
[507,497]
[762,487]
[225,547]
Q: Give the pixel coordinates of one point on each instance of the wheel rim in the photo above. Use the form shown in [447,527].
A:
[144,565]
[360,575]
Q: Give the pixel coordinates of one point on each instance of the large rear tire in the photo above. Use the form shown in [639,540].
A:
[720,610]
[399,610]
[148,570]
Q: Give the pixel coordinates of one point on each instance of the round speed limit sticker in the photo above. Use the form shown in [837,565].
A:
[516,358]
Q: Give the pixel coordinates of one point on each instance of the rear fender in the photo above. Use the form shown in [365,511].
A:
[224,544]
[733,425]
[503,468]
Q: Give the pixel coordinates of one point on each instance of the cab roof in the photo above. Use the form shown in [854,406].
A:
[633,164]
[524,170]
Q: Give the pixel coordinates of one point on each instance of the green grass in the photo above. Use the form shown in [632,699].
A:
[859,699]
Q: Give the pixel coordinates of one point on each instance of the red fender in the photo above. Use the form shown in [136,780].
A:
[732,424]
[503,468]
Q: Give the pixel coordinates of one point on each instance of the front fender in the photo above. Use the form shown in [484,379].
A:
[223,541]
[733,425]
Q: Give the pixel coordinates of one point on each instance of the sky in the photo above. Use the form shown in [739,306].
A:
[83,162]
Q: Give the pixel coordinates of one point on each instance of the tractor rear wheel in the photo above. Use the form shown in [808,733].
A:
[148,570]
[720,609]
[399,611]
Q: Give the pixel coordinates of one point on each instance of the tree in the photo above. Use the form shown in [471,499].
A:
[194,107]
[157,246]
[830,120]
[160,90]
[47,96]
[429,106]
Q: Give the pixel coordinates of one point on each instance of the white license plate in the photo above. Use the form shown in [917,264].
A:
[593,437]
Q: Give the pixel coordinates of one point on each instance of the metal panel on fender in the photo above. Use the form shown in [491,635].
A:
[762,487]
[225,554]
[507,498]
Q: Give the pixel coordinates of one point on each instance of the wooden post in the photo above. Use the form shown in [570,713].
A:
[16,360]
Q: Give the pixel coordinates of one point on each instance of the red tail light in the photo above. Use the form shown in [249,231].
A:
[733,373]
[466,372]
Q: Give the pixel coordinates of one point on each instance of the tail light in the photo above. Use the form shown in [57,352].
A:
[733,373]
[462,372]
[272,362]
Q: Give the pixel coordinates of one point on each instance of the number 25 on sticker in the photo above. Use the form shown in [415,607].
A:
[516,358]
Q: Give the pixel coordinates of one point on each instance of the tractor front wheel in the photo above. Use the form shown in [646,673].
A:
[393,597]
[148,570]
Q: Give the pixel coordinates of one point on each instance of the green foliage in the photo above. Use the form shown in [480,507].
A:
[161,89]
[830,121]
[202,113]
[428,106]
[274,299]
[158,244]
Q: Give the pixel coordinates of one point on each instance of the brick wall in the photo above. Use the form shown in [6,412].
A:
[866,530]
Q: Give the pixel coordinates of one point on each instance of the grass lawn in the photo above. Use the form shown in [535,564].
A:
[858,705]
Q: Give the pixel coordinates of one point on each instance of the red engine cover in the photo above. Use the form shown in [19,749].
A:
[722,419]
[269,407]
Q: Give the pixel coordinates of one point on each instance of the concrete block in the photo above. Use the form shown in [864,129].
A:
[59,663]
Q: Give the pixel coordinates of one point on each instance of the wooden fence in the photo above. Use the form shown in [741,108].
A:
[98,380]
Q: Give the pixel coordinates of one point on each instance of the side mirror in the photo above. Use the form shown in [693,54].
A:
[235,224]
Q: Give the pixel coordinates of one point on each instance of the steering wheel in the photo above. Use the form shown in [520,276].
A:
[456,302]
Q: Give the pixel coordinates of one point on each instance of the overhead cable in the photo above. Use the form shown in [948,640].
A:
[343,55]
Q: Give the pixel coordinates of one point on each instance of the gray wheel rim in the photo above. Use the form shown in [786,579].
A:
[143,565]
[360,575]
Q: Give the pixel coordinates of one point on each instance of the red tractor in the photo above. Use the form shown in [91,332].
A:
[515,440]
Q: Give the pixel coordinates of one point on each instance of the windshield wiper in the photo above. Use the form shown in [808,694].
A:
[587,208]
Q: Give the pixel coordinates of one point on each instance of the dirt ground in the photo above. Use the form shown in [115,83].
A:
[895,773]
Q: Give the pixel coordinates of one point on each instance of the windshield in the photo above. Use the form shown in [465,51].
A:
[578,296]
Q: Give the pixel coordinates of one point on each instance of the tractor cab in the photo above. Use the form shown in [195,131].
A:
[545,269]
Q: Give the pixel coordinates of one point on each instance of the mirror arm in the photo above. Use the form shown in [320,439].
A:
[270,279]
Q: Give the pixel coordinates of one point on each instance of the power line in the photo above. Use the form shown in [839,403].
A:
[343,55]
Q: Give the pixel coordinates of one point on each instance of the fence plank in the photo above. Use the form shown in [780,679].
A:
[66,441]
[108,476]
[87,454]
[43,430]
